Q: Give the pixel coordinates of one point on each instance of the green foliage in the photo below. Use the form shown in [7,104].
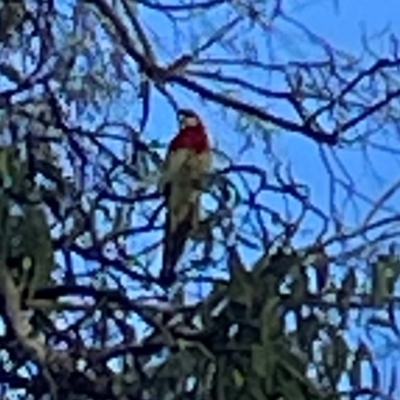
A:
[27,249]
[386,271]
[12,16]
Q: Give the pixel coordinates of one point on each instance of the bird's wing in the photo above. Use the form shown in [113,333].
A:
[174,162]
[182,191]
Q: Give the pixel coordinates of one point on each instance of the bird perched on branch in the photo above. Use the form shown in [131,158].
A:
[187,162]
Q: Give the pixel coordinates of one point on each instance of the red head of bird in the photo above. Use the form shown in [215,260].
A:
[192,133]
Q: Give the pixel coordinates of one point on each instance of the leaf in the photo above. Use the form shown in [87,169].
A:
[270,320]
[293,390]
[299,287]
[12,16]
[256,392]
[386,271]
[341,352]
[241,288]
[38,241]
[259,360]
[308,330]
[238,378]
[292,363]
[320,260]
[349,283]
[355,372]
[334,356]
[282,261]
[260,266]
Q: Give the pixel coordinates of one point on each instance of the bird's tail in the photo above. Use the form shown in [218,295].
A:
[174,242]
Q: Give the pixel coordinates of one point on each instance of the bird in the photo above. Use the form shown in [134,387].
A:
[187,162]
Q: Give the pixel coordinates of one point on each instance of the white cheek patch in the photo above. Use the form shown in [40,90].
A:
[187,122]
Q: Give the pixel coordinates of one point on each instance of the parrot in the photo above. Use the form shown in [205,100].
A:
[187,162]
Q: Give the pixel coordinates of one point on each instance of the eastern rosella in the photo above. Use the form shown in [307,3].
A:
[187,162]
